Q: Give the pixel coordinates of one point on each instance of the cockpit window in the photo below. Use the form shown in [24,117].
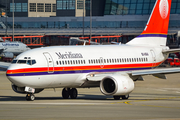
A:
[33,62]
[14,61]
[21,61]
[29,62]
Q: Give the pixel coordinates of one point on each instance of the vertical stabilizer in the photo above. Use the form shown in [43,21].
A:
[155,32]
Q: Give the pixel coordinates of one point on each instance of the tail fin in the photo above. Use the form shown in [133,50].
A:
[155,32]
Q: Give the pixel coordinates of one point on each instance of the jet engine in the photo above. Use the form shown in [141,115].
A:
[22,89]
[117,85]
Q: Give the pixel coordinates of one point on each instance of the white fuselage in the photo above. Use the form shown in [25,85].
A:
[68,66]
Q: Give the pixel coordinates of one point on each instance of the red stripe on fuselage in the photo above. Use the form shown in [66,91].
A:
[90,67]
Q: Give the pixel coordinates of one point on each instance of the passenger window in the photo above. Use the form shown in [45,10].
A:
[96,61]
[57,62]
[60,62]
[112,60]
[107,61]
[92,61]
[104,60]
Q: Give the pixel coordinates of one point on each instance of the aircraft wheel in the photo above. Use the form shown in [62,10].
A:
[30,97]
[116,97]
[73,93]
[65,93]
[125,97]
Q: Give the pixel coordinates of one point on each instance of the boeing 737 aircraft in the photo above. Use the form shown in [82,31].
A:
[113,68]
[10,49]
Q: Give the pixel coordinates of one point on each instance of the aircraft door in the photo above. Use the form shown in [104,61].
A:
[153,58]
[49,62]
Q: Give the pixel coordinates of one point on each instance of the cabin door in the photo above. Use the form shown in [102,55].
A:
[50,62]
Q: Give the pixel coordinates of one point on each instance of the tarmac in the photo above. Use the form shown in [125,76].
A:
[152,99]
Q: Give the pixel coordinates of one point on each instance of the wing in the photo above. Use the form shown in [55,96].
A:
[4,65]
[160,73]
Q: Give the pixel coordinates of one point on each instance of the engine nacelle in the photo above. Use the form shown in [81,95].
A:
[21,90]
[117,85]
[7,55]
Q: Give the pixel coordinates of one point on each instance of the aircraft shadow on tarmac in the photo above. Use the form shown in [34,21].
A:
[95,97]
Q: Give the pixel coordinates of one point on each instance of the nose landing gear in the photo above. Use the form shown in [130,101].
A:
[30,97]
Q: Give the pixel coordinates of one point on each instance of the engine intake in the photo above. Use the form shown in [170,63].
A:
[117,85]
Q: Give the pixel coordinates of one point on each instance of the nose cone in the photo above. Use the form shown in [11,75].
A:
[13,76]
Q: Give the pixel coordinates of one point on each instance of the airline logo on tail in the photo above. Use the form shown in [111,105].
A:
[164,8]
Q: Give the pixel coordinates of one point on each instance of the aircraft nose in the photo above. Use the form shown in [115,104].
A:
[13,77]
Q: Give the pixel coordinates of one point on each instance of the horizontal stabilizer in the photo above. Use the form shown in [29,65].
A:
[171,51]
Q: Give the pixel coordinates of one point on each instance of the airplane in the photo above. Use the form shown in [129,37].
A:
[10,49]
[113,68]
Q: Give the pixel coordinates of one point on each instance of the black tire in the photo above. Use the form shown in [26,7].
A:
[30,97]
[65,93]
[117,97]
[125,97]
[73,93]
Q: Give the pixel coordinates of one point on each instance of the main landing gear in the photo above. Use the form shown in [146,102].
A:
[124,97]
[66,92]
[30,97]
